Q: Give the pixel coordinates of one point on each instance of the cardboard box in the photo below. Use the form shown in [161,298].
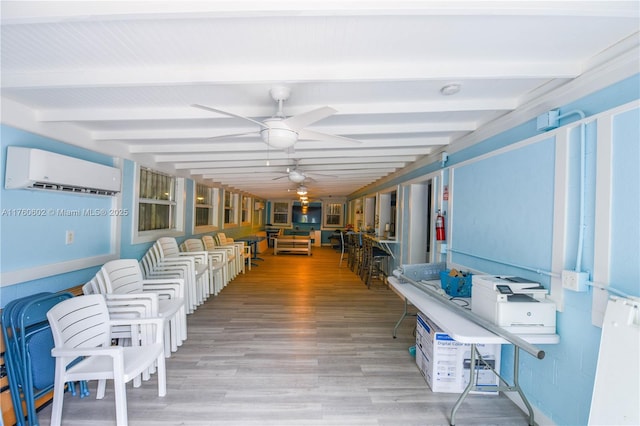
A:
[445,363]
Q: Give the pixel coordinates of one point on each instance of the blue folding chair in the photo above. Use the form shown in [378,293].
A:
[28,342]
[12,354]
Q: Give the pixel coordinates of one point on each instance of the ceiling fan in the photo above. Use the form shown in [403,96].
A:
[296,175]
[301,189]
[280,131]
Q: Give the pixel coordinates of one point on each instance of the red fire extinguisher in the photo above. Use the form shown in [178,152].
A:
[440,235]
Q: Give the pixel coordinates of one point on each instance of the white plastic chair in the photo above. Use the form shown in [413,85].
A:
[154,267]
[124,306]
[210,245]
[168,252]
[247,255]
[123,282]
[81,328]
[217,263]
[222,240]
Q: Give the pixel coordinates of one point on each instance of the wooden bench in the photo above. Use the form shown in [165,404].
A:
[292,244]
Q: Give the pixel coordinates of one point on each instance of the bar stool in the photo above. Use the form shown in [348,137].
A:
[378,265]
[374,262]
[353,247]
[358,251]
[363,270]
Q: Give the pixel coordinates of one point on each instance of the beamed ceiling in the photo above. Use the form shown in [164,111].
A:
[122,78]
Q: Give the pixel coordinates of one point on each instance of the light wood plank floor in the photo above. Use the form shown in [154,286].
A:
[295,341]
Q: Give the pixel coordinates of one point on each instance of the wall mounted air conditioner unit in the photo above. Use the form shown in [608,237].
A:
[30,168]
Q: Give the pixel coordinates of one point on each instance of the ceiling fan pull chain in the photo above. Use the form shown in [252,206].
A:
[280,113]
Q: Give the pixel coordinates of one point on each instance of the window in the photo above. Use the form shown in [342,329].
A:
[246,210]
[158,212]
[230,208]
[205,208]
[333,213]
[157,201]
[258,214]
[387,213]
[281,213]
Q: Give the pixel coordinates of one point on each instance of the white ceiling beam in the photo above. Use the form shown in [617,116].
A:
[217,136]
[14,12]
[250,185]
[214,147]
[289,162]
[176,158]
[187,113]
[335,174]
[310,170]
[268,73]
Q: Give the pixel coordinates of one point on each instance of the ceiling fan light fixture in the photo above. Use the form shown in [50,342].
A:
[302,190]
[279,138]
[296,177]
[277,135]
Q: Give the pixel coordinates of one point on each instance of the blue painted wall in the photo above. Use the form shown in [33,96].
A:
[502,204]
[561,385]
[502,208]
[29,241]
[625,233]
[35,240]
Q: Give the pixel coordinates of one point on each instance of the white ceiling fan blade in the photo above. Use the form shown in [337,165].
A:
[280,177]
[230,114]
[318,136]
[310,174]
[300,121]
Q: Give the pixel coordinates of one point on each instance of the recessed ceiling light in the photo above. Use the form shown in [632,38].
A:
[450,89]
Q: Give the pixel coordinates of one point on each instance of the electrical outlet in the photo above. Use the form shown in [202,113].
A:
[69,237]
[576,281]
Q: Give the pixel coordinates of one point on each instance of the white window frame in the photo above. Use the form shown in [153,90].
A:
[289,204]
[214,215]
[246,210]
[258,213]
[178,230]
[233,208]
[327,211]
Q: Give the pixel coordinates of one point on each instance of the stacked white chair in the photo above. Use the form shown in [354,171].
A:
[168,249]
[241,249]
[123,306]
[210,245]
[81,328]
[153,268]
[123,283]
[164,258]
[246,256]
[218,267]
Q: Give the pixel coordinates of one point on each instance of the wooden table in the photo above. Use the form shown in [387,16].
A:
[292,244]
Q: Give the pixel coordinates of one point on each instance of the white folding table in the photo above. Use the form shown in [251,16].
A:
[465,330]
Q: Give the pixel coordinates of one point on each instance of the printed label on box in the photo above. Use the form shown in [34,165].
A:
[446,363]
